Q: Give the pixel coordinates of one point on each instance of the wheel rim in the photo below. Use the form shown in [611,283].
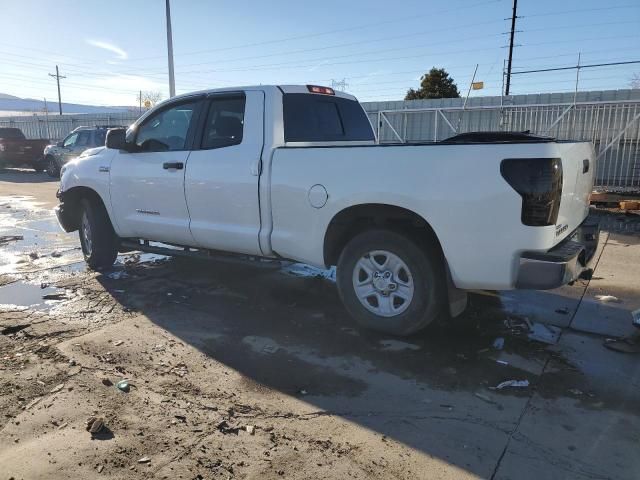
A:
[51,167]
[383,283]
[86,234]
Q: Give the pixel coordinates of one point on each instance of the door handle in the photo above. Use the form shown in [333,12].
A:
[174,165]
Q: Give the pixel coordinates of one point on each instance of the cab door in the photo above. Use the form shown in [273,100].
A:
[75,144]
[147,185]
[221,182]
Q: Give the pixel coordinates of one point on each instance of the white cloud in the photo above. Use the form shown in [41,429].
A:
[121,54]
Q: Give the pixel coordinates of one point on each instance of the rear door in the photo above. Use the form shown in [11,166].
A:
[221,182]
[147,186]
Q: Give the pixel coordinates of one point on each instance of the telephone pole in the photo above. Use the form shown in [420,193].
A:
[513,31]
[172,80]
[57,76]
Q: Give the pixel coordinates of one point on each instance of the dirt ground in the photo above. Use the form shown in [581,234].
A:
[256,371]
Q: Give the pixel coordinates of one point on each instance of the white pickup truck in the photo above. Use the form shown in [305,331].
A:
[294,172]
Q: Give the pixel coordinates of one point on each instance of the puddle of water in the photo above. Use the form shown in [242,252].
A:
[22,294]
[49,225]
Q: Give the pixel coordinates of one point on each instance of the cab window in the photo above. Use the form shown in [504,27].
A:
[70,140]
[84,138]
[225,122]
[166,130]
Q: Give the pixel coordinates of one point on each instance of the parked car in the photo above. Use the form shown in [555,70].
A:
[16,149]
[294,172]
[79,140]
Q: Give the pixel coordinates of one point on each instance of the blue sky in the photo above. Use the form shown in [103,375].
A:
[110,50]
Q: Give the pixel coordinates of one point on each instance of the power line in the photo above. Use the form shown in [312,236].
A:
[577,67]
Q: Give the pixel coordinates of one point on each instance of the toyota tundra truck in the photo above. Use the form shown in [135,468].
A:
[294,173]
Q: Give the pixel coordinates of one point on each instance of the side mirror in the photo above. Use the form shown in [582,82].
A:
[116,138]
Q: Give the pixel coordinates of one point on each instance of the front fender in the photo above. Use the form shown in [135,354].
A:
[88,176]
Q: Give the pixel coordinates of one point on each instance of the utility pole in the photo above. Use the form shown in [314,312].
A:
[513,31]
[172,80]
[57,76]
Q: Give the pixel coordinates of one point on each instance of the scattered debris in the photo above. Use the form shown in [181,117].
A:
[57,388]
[117,343]
[56,254]
[544,333]
[144,460]
[10,238]
[302,392]
[100,468]
[118,275]
[397,345]
[95,425]
[629,344]
[607,299]
[575,391]
[498,343]
[33,255]
[251,430]
[123,385]
[225,428]
[32,403]
[502,362]
[55,296]
[484,397]
[512,383]
[106,382]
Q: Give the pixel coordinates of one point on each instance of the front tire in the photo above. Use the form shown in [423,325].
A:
[53,170]
[390,284]
[97,237]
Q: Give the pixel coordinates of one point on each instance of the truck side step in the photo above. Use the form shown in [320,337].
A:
[127,245]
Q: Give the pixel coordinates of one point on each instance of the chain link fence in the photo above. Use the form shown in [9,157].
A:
[612,127]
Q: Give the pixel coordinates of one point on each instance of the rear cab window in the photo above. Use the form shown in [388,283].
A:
[312,117]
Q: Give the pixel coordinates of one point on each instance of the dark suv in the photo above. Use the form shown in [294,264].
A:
[79,140]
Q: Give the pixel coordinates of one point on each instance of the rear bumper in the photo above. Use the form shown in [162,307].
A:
[564,263]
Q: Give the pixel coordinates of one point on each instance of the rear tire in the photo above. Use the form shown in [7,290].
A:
[53,170]
[390,284]
[97,237]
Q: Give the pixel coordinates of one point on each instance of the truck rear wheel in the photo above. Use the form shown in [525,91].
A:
[53,170]
[97,238]
[389,284]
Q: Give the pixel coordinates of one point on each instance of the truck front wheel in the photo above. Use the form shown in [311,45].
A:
[390,284]
[97,238]
[53,170]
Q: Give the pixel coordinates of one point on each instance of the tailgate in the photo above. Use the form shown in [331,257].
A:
[578,168]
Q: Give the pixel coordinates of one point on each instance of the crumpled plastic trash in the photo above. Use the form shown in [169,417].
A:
[512,383]
[607,298]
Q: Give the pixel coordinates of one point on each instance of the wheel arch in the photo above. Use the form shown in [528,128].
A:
[72,200]
[357,218]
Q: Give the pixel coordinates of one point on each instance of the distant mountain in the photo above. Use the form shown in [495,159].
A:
[16,104]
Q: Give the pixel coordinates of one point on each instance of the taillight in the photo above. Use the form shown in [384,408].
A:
[322,90]
[539,183]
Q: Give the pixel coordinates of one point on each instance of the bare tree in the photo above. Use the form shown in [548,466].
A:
[149,99]
[635,80]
